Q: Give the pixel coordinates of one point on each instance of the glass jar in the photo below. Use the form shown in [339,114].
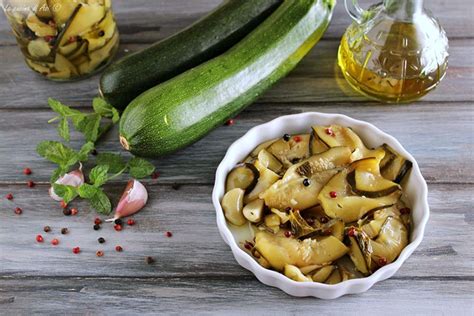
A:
[395,51]
[64,39]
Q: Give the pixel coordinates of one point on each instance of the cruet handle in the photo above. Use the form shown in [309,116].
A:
[354,10]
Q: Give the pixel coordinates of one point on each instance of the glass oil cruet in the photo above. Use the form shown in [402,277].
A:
[395,51]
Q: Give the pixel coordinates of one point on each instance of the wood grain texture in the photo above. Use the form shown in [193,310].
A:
[145,21]
[316,79]
[196,249]
[229,296]
[431,132]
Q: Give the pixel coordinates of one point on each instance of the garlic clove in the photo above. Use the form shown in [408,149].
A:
[74,178]
[133,200]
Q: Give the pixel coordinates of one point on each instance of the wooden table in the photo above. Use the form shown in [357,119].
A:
[194,270]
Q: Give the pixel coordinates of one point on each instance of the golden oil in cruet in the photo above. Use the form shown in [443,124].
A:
[395,51]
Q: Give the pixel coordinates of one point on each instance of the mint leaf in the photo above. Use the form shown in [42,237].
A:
[115,162]
[66,192]
[140,168]
[104,109]
[98,175]
[56,174]
[97,198]
[89,126]
[83,154]
[63,129]
[104,128]
[75,115]
[56,152]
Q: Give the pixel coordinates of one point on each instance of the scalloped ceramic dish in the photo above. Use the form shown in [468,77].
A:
[415,195]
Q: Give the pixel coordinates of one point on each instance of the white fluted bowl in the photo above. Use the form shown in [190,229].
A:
[415,195]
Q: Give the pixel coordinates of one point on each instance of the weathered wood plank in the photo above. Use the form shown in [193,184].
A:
[440,137]
[146,21]
[234,296]
[316,79]
[196,249]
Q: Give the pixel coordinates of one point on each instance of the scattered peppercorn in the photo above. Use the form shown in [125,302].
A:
[310,221]
[405,210]
[118,221]
[382,261]
[101,240]
[9,196]
[54,242]
[230,122]
[101,33]
[155,175]
[76,250]
[333,194]
[351,232]
[47,229]
[306,182]
[63,204]
[169,234]
[248,245]
[118,227]
[324,220]
[329,131]
[30,184]
[67,212]
[297,139]
[96,227]
[295,160]
[175,186]
[27,171]
[64,231]
[131,222]
[39,238]
[99,253]
[327,232]
[149,260]
[286,137]
[118,248]
[97,221]
[288,234]
[74,211]
[18,211]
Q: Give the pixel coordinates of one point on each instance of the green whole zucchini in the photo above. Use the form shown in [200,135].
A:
[207,38]
[182,110]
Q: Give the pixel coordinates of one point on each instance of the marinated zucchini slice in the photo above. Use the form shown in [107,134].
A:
[338,200]
[40,28]
[61,10]
[259,148]
[295,274]
[99,56]
[321,275]
[102,33]
[243,176]
[265,180]
[253,211]
[38,48]
[394,167]
[335,277]
[300,226]
[393,237]
[269,161]
[357,257]
[82,21]
[280,251]
[316,146]
[372,228]
[366,179]
[232,204]
[301,184]
[291,151]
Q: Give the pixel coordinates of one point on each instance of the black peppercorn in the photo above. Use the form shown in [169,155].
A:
[306,182]
[149,260]
[96,227]
[118,221]
[64,231]
[101,240]
[67,212]
[286,137]
[175,186]
[47,229]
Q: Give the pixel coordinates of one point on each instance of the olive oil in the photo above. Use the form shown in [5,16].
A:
[394,60]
